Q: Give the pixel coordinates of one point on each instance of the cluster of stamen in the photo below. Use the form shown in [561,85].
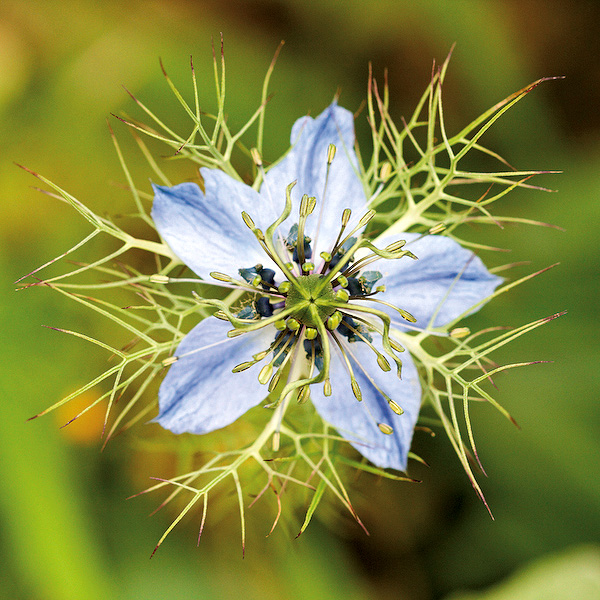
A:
[311,308]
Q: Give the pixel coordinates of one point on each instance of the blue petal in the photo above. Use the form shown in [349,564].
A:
[206,230]
[446,280]
[200,393]
[357,421]
[306,162]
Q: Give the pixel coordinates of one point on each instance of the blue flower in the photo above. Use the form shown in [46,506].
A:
[313,311]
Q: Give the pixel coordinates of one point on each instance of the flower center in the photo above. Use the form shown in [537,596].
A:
[311,299]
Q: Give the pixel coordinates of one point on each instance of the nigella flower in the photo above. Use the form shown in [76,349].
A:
[315,319]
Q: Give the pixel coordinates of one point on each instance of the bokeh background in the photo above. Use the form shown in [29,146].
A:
[67,531]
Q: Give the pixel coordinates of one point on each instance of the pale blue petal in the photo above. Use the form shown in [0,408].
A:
[357,421]
[200,393]
[446,280]
[306,162]
[206,230]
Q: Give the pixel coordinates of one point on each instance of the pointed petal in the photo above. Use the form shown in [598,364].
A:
[357,421]
[446,280]
[200,393]
[306,162]
[206,230]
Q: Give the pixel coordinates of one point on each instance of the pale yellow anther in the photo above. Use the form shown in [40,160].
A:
[307,205]
[265,373]
[385,172]
[307,267]
[256,281]
[284,287]
[248,220]
[356,389]
[221,277]
[255,154]
[325,256]
[274,381]
[327,391]
[304,394]
[395,246]
[460,332]
[162,279]
[242,367]
[346,216]
[395,407]
[235,333]
[280,325]
[330,153]
[366,218]
[407,316]
[384,428]
[437,228]
[384,365]
[260,355]
[396,346]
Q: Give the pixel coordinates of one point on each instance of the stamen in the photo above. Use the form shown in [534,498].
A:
[274,380]
[346,213]
[353,383]
[254,153]
[349,324]
[281,354]
[403,313]
[265,373]
[393,406]
[437,229]
[243,366]
[304,394]
[221,277]
[330,157]
[244,325]
[460,332]
[384,428]
[385,337]
[385,171]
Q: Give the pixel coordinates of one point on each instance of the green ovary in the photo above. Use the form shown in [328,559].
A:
[311,300]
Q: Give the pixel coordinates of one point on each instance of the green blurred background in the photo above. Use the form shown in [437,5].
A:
[67,531]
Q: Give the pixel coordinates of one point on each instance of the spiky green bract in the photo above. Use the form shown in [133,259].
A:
[416,182]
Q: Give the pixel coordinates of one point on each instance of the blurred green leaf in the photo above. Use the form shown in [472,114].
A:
[571,575]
